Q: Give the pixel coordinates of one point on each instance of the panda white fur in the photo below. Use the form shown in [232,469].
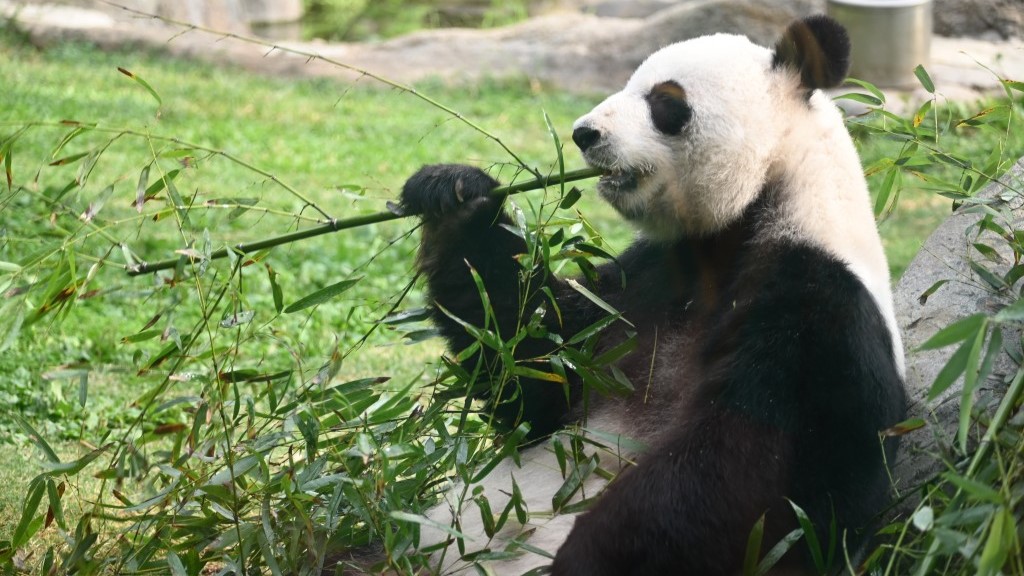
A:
[768,359]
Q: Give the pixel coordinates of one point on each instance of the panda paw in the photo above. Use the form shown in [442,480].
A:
[440,189]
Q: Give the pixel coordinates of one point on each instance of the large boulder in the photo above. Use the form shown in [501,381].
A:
[945,256]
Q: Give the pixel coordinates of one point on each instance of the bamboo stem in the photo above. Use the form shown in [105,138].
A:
[335,225]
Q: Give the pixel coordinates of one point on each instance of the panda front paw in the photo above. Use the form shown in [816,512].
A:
[442,189]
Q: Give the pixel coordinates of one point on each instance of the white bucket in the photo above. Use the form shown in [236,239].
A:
[890,38]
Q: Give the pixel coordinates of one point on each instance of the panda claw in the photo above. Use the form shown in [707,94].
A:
[441,189]
[396,208]
[458,191]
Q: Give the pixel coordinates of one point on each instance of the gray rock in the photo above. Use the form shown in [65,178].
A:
[944,256]
[271,11]
[627,8]
[988,19]
[227,15]
[579,52]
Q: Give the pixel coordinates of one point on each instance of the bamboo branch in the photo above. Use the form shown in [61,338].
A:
[335,225]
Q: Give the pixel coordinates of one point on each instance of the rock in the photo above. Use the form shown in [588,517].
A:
[578,52]
[987,19]
[944,256]
[271,11]
[226,15]
[627,8]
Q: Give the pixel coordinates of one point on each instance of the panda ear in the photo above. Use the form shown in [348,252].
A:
[818,48]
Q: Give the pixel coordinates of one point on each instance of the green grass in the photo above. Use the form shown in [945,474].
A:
[346,147]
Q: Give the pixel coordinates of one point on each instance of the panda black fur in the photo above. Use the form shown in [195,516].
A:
[767,361]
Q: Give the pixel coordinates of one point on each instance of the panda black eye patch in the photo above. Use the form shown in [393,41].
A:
[669,110]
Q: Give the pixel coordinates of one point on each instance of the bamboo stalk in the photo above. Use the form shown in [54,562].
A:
[335,225]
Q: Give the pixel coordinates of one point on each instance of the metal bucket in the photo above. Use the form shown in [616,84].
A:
[890,38]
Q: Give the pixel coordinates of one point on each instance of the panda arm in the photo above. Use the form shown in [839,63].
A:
[465,227]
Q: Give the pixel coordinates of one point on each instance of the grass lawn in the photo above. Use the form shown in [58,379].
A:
[346,148]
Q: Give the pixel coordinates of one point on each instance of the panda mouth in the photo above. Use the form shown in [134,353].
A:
[618,181]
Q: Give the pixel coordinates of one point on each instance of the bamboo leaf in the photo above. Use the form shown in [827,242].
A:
[1001,541]
[956,332]
[594,328]
[14,329]
[85,170]
[74,133]
[869,87]
[174,563]
[580,472]
[6,152]
[424,521]
[753,548]
[141,336]
[923,298]
[995,114]
[1012,313]
[322,295]
[527,372]
[143,83]
[885,193]
[988,252]
[8,170]
[160,184]
[25,529]
[778,551]
[595,299]
[268,554]
[862,98]
[905,427]
[971,376]
[922,113]
[75,466]
[518,502]
[570,199]
[69,159]
[37,439]
[140,189]
[56,509]
[990,278]
[924,78]
[558,152]
[977,490]
[810,536]
[275,290]
[954,367]
[179,204]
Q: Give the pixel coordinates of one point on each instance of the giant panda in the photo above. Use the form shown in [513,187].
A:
[767,359]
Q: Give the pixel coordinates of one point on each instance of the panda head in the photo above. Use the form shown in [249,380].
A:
[703,125]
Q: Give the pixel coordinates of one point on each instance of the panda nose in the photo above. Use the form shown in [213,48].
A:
[585,137]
